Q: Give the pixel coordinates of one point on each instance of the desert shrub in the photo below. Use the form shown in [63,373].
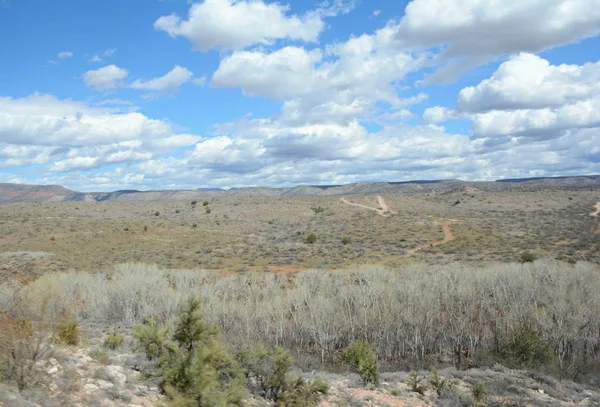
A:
[479,394]
[361,357]
[208,211]
[346,240]
[67,332]
[414,383]
[527,348]
[267,374]
[194,368]
[318,209]
[151,338]
[528,257]
[311,238]
[22,347]
[157,213]
[194,203]
[114,340]
[205,203]
[439,384]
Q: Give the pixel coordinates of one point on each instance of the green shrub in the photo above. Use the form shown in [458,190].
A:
[527,348]
[151,338]
[194,203]
[114,340]
[414,383]
[195,369]
[346,240]
[157,213]
[312,238]
[438,383]
[479,394]
[267,374]
[68,332]
[205,203]
[528,257]
[361,356]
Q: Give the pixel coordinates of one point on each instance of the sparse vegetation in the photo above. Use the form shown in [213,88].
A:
[67,332]
[311,238]
[346,240]
[528,257]
[114,340]
[414,383]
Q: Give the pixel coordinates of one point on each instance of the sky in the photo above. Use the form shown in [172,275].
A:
[174,94]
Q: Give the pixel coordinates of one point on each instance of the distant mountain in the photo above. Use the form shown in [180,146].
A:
[33,193]
[15,193]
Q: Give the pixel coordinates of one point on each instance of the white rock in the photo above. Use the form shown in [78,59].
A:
[90,388]
[53,361]
[104,385]
[52,370]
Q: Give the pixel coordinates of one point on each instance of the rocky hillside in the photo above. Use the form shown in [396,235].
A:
[14,193]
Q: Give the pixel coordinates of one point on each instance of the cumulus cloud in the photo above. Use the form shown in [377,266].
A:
[529,98]
[106,78]
[41,129]
[346,79]
[473,32]
[236,24]
[528,81]
[475,27]
[166,84]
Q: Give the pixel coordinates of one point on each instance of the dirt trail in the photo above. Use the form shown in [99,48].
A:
[383,210]
[448,236]
[596,214]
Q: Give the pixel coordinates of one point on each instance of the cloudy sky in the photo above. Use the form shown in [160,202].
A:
[140,94]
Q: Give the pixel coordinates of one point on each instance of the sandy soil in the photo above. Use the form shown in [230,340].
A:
[383,209]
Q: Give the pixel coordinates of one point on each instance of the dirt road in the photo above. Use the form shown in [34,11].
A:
[448,236]
[383,209]
[595,214]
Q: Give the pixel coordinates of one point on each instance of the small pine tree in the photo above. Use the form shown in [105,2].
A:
[195,368]
[151,338]
[361,356]
[414,383]
[479,394]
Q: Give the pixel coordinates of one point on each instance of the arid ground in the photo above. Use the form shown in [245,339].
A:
[246,232]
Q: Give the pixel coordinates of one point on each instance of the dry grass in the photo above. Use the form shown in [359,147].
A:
[254,233]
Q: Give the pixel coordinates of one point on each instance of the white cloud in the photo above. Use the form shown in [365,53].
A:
[105,54]
[108,77]
[438,114]
[41,129]
[527,81]
[349,78]
[236,24]
[166,84]
[473,32]
[65,54]
[528,98]
[284,73]
[476,27]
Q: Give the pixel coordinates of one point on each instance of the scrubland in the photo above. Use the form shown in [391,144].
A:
[540,316]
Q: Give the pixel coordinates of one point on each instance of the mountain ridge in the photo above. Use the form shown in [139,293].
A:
[25,193]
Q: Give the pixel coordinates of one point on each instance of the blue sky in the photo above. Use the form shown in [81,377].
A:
[221,93]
